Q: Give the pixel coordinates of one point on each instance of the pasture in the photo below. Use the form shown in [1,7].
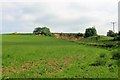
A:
[30,56]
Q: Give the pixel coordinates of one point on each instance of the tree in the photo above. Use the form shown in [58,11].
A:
[79,35]
[90,32]
[110,33]
[37,30]
[42,31]
[118,36]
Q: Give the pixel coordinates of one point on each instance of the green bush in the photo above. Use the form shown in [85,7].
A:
[102,55]
[116,55]
[43,31]
[100,61]
[118,62]
[110,33]
[90,32]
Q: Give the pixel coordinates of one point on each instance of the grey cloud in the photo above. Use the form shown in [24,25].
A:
[45,17]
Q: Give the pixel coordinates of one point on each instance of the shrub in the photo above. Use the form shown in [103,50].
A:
[109,45]
[90,32]
[118,38]
[102,55]
[100,61]
[42,31]
[79,35]
[118,62]
[110,33]
[116,55]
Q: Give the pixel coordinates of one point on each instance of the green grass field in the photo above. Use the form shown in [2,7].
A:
[29,56]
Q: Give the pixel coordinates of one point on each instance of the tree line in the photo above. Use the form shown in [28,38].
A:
[88,32]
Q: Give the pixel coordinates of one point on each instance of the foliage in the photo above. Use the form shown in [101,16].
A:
[42,31]
[118,62]
[119,33]
[100,61]
[37,30]
[102,55]
[118,36]
[116,55]
[79,35]
[99,41]
[100,38]
[110,33]
[115,35]
[90,32]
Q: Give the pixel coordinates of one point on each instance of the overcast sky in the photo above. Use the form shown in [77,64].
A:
[58,15]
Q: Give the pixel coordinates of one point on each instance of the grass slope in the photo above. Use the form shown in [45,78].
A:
[102,41]
[29,56]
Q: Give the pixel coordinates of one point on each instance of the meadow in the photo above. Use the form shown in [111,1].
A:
[30,56]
